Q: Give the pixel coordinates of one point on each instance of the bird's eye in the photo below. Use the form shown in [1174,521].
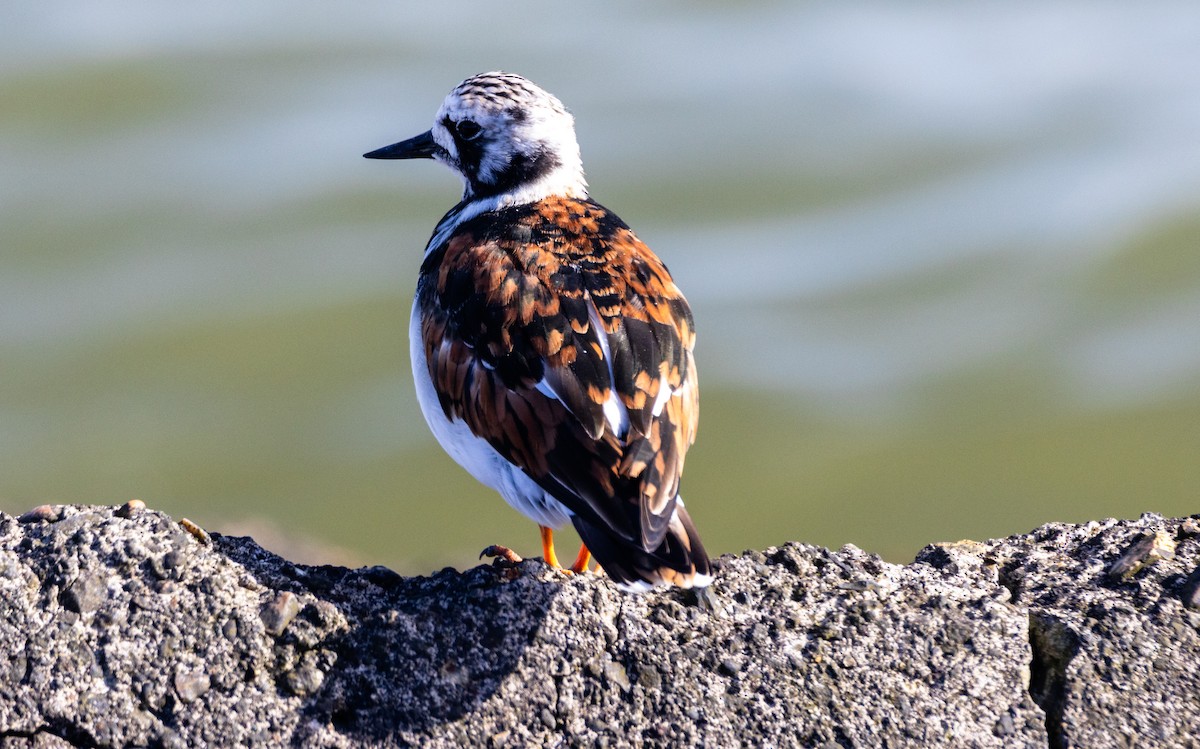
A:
[468,130]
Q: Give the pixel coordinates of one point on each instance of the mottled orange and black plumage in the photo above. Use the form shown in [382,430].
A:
[512,298]
[559,339]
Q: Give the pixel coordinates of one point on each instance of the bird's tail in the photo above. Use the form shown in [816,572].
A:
[679,560]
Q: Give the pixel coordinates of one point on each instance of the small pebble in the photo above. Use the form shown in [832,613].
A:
[191,685]
[85,594]
[649,678]
[1004,726]
[129,508]
[41,514]
[305,680]
[730,666]
[706,600]
[615,673]
[277,614]
[1143,552]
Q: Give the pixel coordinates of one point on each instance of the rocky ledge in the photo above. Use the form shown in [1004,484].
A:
[122,627]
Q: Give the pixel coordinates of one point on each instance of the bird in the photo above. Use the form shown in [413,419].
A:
[551,349]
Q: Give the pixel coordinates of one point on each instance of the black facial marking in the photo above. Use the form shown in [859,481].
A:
[521,170]
[469,151]
[505,102]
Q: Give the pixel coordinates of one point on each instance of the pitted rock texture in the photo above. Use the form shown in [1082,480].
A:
[125,629]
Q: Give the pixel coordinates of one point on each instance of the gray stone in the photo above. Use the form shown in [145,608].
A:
[191,685]
[85,594]
[125,629]
[279,612]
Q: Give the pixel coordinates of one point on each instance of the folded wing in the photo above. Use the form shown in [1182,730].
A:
[560,338]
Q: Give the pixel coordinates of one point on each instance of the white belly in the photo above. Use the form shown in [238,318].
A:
[474,454]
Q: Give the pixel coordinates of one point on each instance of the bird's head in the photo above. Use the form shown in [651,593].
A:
[505,136]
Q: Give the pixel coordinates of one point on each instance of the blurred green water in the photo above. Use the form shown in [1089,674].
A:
[204,292]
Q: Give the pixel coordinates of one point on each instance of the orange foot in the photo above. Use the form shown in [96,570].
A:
[502,553]
[582,560]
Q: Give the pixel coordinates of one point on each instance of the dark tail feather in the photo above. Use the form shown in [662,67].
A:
[679,560]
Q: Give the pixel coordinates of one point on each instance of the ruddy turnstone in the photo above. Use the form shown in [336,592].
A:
[552,352]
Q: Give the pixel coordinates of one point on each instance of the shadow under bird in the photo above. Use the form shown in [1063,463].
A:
[551,350]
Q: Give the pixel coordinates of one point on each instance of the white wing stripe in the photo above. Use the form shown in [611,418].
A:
[615,412]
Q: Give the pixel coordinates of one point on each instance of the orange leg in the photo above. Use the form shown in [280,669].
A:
[548,547]
[582,560]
